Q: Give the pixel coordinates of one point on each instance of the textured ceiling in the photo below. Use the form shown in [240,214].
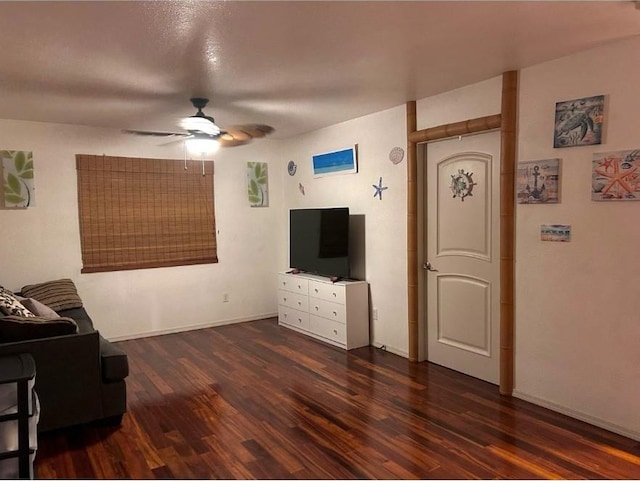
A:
[297,66]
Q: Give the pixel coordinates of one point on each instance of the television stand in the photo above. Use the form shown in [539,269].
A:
[333,312]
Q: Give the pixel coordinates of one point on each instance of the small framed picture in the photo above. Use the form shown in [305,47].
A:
[615,176]
[538,182]
[579,122]
[257,184]
[555,232]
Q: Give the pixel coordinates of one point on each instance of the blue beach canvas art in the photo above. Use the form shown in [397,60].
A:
[337,162]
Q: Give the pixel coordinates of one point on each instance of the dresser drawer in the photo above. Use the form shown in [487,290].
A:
[293,317]
[289,283]
[328,310]
[293,300]
[327,291]
[334,331]
[316,307]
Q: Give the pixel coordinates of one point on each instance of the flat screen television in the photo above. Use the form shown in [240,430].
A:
[319,241]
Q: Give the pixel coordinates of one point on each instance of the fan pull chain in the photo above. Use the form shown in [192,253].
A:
[185,155]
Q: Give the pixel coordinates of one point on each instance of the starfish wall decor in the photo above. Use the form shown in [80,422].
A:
[615,176]
[379,188]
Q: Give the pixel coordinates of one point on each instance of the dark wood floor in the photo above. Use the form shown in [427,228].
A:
[254,400]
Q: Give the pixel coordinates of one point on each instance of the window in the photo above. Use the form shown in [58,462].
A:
[141,213]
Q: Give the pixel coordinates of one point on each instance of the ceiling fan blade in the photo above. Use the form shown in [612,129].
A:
[234,133]
[148,133]
[231,142]
[253,131]
[258,130]
[173,141]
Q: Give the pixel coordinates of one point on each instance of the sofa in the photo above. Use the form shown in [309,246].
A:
[80,376]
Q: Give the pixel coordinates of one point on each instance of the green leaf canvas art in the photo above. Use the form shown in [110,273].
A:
[257,184]
[17,174]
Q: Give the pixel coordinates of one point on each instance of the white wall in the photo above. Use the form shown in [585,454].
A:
[577,305]
[385,220]
[577,309]
[43,243]
[577,319]
[470,102]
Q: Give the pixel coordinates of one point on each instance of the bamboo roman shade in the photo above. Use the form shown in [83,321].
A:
[139,213]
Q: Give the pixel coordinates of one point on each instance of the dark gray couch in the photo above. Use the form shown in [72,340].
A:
[80,377]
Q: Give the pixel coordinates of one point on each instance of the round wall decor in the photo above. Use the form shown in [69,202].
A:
[462,184]
[291,168]
[396,155]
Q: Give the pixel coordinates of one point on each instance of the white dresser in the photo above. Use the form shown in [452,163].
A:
[334,312]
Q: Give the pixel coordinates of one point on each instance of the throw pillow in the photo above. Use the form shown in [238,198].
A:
[18,328]
[10,305]
[38,308]
[58,295]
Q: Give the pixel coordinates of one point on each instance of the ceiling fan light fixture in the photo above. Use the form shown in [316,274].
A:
[203,136]
[199,124]
[202,145]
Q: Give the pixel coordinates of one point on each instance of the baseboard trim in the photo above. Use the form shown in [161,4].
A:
[601,423]
[192,327]
[391,349]
[224,322]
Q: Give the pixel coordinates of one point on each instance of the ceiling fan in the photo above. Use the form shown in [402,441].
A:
[201,127]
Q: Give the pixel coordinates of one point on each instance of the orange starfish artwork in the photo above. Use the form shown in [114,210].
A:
[616,176]
[606,163]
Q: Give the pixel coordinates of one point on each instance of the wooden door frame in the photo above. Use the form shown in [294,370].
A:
[506,121]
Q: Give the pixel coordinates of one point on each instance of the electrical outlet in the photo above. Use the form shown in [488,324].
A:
[225,297]
[374,313]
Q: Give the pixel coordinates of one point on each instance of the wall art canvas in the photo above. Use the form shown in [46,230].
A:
[337,162]
[538,182]
[17,175]
[615,175]
[555,232]
[579,122]
[257,184]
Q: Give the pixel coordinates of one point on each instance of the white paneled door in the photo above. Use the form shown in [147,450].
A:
[463,265]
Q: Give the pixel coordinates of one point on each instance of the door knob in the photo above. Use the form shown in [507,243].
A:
[428,267]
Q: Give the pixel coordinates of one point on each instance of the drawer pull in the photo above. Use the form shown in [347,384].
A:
[335,313]
[285,299]
[335,331]
[334,294]
[299,286]
[300,320]
[316,307]
[299,303]
[316,289]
